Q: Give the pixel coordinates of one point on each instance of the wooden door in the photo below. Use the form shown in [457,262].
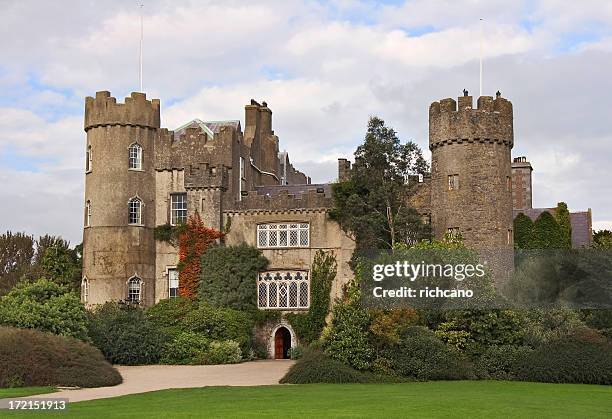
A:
[278,344]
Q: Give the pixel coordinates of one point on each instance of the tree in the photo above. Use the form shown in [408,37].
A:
[44,305]
[547,233]
[373,204]
[228,276]
[562,216]
[523,232]
[62,265]
[193,242]
[16,255]
[602,239]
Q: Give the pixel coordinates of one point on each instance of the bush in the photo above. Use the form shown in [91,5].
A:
[546,325]
[296,352]
[33,358]
[125,335]
[317,367]
[499,362]
[45,306]
[583,356]
[223,352]
[186,348]
[421,355]
[168,315]
[347,339]
[227,276]
[221,324]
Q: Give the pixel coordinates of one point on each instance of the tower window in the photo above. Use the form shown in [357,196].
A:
[509,236]
[173,283]
[88,213]
[134,289]
[85,289]
[88,159]
[453,182]
[135,211]
[135,157]
[178,208]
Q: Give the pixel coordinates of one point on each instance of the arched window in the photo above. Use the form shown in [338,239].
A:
[135,157]
[85,289]
[88,159]
[88,213]
[134,289]
[135,211]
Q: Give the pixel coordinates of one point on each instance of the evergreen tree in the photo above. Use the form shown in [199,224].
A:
[547,233]
[562,216]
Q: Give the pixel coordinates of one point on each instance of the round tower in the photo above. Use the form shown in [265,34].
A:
[119,216]
[471,182]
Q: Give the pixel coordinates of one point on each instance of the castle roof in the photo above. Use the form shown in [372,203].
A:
[209,127]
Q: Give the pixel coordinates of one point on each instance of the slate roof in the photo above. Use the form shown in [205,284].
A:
[209,127]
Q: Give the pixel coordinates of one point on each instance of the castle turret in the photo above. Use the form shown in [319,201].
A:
[471,170]
[118,242]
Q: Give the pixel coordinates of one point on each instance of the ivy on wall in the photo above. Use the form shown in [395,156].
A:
[308,326]
[193,242]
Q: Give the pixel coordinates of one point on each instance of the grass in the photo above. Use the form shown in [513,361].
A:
[6,393]
[474,399]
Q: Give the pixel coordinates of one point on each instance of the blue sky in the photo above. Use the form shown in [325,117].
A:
[323,67]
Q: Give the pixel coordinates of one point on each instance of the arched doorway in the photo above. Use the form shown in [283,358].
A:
[282,343]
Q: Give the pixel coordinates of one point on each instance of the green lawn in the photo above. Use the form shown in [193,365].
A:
[24,391]
[473,399]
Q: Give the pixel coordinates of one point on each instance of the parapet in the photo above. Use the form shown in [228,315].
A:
[284,201]
[136,111]
[205,176]
[453,121]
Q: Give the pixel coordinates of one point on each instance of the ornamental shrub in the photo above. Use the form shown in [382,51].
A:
[223,352]
[547,233]
[317,367]
[221,324]
[186,348]
[125,335]
[168,315]
[296,352]
[308,326]
[523,232]
[583,356]
[347,340]
[46,306]
[33,358]
[228,276]
[499,362]
[421,355]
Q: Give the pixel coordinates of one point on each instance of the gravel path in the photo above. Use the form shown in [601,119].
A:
[141,379]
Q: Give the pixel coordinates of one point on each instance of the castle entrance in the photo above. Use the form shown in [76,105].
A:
[282,343]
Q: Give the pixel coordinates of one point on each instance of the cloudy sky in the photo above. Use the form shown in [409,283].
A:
[323,68]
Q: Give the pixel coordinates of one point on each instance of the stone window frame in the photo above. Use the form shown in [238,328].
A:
[135,287]
[88,159]
[137,158]
[510,236]
[172,209]
[87,213]
[139,222]
[175,269]
[283,280]
[453,182]
[84,289]
[268,229]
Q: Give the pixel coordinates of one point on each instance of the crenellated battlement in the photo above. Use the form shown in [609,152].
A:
[283,201]
[205,176]
[458,121]
[103,110]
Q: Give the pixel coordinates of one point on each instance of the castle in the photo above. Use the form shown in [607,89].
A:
[139,176]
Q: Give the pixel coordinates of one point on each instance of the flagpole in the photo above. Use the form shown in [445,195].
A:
[481,35]
[141,37]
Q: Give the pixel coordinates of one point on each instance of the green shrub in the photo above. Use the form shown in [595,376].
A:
[347,340]
[227,276]
[296,352]
[33,358]
[168,315]
[580,357]
[421,355]
[499,362]
[125,335]
[45,306]
[221,324]
[186,348]
[223,352]
[546,325]
[317,367]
